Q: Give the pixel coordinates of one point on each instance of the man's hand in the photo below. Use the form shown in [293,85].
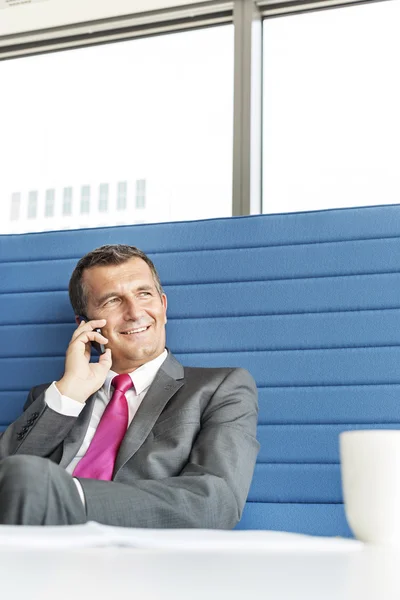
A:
[81,377]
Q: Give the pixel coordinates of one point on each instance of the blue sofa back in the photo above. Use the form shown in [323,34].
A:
[309,303]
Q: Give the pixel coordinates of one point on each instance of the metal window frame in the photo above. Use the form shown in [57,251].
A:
[246,16]
[247,120]
[277,8]
[114,29]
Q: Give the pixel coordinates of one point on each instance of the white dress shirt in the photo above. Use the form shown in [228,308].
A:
[142,378]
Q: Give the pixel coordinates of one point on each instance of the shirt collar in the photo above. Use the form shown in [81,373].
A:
[142,377]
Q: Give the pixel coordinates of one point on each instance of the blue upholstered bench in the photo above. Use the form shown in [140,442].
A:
[309,303]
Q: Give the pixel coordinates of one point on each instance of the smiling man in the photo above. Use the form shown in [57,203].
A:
[134,439]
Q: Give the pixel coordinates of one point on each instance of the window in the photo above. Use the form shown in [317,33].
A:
[15,206]
[141,193]
[122,195]
[32,205]
[173,121]
[103,197]
[49,206]
[67,201]
[331,108]
[85,199]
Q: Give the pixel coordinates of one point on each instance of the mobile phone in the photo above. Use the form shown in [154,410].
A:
[100,348]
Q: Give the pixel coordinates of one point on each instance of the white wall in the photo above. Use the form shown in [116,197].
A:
[41,14]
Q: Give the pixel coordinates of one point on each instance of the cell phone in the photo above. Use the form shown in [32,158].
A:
[100,348]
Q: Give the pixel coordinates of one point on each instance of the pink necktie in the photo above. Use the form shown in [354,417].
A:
[98,462]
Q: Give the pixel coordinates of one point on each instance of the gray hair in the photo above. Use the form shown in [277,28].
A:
[110,254]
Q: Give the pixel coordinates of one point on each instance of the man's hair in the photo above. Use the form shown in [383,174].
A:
[111,254]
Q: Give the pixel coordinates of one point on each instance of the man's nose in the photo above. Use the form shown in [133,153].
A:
[131,309]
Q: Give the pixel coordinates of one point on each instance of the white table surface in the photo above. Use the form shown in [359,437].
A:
[124,573]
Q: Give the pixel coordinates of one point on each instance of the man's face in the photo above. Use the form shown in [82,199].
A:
[126,296]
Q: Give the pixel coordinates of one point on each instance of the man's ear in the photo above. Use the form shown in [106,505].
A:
[78,319]
[164,302]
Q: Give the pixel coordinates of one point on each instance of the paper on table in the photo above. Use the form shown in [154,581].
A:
[92,534]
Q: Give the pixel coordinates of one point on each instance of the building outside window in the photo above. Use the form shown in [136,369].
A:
[32,204]
[49,205]
[103,197]
[144,139]
[85,199]
[67,201]
[141,193]
[15,206]
[122,195]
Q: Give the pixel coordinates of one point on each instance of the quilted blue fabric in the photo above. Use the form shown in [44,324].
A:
[309,303]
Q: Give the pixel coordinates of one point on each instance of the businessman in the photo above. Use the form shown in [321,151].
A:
[135,439]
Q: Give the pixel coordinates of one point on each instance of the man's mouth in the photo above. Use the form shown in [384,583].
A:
[135,330]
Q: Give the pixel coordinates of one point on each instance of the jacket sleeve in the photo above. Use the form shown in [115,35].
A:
[211,490]
[38,431]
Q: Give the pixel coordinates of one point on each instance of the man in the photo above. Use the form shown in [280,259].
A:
[136,439]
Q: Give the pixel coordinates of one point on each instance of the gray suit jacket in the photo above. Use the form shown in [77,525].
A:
[186,460]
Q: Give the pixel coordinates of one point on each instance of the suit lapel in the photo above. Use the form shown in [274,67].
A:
[166,383]
[75,437]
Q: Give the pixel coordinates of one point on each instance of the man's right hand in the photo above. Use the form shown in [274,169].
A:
[82,378]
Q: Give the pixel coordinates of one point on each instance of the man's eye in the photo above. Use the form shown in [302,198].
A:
[111,301]
[144,294]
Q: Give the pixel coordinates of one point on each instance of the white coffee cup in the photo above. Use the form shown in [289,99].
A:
[370,467]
